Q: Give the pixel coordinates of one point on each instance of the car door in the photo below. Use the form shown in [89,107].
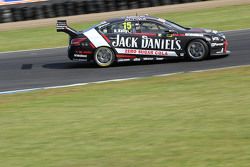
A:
[158,40]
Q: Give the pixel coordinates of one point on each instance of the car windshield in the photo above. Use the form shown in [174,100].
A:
[175,26]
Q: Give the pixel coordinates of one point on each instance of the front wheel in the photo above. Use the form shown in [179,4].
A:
[104,57]
[197,50]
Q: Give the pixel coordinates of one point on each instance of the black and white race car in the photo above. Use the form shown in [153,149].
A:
[138,38]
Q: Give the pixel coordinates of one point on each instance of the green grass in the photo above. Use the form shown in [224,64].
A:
[192,120]
[32,38]
[224,18]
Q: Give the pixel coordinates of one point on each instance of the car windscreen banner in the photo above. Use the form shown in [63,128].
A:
[11,2]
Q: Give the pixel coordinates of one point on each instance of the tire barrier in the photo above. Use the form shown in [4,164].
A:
[58,8]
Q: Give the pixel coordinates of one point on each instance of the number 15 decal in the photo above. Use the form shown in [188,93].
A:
[127,25]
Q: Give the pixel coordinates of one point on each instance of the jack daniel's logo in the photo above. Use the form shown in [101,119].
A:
[146,42]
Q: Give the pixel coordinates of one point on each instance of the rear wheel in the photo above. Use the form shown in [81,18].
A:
[197,50]
[104,57]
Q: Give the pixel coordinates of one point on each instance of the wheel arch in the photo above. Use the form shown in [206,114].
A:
[110,48]
[206,47]
[199,38]
[113,50]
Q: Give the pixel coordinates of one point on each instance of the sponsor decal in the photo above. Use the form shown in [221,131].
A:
[216,44]
[215,39]
[126,42]
[158,43]
[141,59]
[147,43]
[194,34]
[145,52]
[120,31]
[81,60]
[148,58]
[80,55]
[137,59]
[135,18]
[123,60]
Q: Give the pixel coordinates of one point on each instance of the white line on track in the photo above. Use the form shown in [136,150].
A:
[221,68]
[237,30]
[59,47]
[66,86]
[165,75]
[113,80]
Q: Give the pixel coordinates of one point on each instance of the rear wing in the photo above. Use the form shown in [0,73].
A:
[61,26]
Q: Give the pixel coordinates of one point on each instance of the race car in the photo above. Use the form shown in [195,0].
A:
[138,38]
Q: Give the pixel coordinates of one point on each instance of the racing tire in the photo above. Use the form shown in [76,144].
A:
[197,50]
[104,57]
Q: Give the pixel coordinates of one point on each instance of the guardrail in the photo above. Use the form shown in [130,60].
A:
[57,8]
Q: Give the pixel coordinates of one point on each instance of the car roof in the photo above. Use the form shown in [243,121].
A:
[135,18]
[161,21]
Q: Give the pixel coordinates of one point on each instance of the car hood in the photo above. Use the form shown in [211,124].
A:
[207,32]
[202,30]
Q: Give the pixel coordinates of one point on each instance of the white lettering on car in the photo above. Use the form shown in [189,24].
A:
[129,42]
[145,52]
[147,43]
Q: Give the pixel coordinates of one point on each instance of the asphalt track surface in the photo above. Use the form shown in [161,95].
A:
[51,67]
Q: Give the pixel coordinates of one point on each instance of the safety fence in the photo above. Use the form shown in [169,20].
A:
[57,8]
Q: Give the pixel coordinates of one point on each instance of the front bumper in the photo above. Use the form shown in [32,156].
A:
[219,48]
[222,53]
